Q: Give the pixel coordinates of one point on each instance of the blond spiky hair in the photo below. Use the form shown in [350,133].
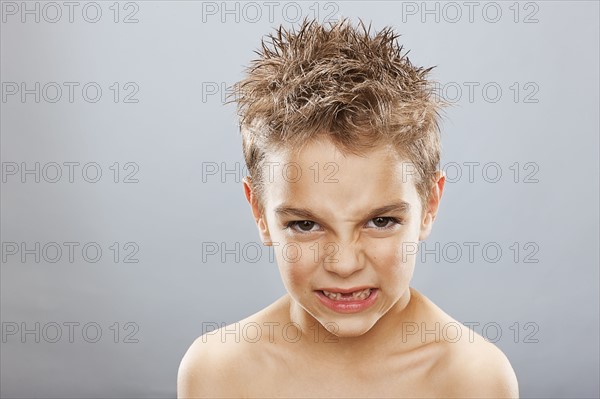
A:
[359,90]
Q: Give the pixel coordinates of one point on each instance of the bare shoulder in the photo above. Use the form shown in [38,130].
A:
[222,362]
[479,370]
[469,366]
[207,369]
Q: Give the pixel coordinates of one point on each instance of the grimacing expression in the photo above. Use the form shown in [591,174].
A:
[342,221]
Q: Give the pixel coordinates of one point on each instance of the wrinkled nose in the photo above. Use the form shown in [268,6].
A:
[343,258]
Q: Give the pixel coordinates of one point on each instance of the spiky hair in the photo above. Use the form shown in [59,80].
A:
[359,89]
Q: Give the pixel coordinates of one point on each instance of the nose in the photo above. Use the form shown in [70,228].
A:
[343,258]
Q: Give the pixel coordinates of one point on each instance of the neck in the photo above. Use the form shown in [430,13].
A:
[315,336]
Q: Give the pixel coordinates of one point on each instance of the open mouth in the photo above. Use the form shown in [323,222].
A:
[359,295]
[348,301]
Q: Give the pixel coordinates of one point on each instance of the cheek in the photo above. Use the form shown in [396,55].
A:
[288,256]
[295,263]
[393,258]
[387,254]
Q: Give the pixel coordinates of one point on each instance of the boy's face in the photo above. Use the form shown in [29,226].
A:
[343,223]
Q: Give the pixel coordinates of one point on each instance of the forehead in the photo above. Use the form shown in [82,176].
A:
[322,176]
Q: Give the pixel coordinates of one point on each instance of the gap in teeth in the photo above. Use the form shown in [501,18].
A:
[360,295]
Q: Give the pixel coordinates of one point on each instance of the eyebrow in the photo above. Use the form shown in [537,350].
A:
[400,206]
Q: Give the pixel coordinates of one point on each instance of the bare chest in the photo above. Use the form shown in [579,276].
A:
[407,376]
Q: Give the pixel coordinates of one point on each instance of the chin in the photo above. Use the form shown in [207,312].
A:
[346,327]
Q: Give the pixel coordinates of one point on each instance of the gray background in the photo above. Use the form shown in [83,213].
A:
[174,54]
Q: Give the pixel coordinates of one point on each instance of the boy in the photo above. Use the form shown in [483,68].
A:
[341,139]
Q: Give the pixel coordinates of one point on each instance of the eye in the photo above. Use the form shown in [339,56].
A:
[302,226]
[385,223]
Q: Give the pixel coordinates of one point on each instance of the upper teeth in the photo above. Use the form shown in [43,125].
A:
[356,295]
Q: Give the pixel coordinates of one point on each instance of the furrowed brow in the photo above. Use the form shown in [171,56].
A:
[299,212]
[305,214]
[397,207]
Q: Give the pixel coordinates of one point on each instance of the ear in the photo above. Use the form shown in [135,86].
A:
[259,219]
[432,205]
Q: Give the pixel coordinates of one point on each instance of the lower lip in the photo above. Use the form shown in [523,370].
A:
[353,306]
